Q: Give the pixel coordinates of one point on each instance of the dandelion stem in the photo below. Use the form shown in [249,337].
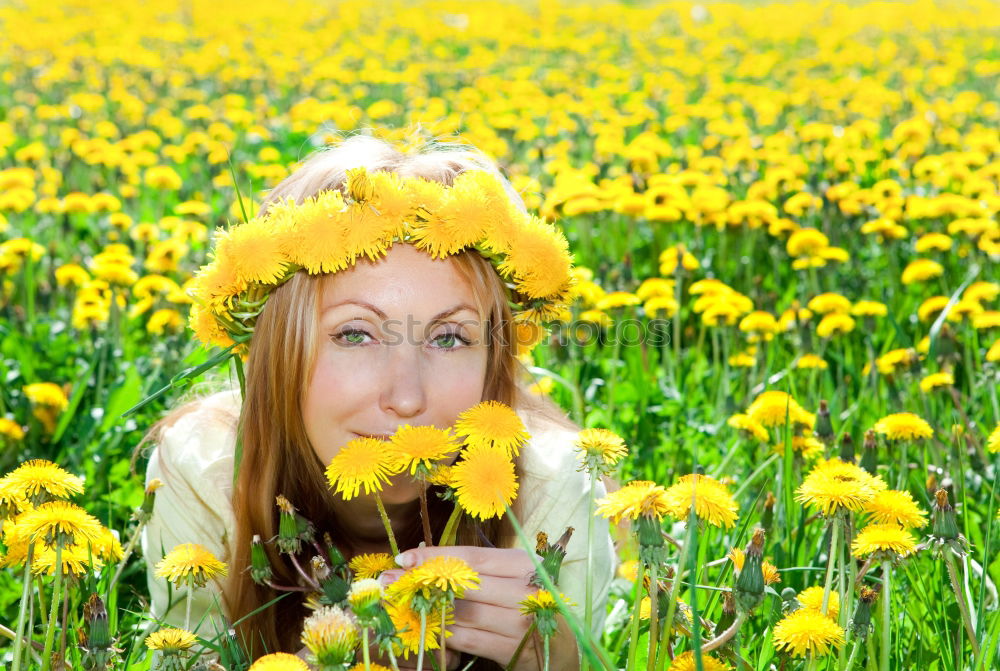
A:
[854,654]
[725,636]
[831,562]
[392,659]
[423,635]
[364,649]
[963,607]
[50,631]
[443,654]
[520,646]
[633,643]
[674,592]
[545,647]
[886,615]
[22,611]
[654,618]
[126,553]
[451,527]
[753,476]
[588,615]
[425,516]
[388,528]
[187,607]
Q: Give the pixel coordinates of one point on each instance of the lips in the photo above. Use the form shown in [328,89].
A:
[376,436]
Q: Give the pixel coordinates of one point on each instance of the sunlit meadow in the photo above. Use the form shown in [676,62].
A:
[787,304]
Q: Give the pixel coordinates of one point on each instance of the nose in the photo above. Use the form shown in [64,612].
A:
[403,391]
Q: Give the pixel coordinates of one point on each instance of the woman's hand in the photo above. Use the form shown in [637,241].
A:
[488,621]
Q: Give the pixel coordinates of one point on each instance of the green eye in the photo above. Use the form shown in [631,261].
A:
[446,341]
[353,337]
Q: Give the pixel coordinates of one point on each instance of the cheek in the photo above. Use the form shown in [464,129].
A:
[328,403]
[458,387]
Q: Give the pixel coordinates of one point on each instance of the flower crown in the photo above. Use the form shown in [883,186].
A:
[329,232]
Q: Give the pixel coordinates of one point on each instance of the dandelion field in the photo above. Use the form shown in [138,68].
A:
[784,221]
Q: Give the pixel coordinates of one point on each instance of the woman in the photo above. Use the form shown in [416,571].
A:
[412,326]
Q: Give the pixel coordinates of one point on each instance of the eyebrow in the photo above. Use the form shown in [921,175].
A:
[444,314]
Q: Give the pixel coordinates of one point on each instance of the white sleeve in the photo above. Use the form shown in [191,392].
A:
[555,495]
[194,461]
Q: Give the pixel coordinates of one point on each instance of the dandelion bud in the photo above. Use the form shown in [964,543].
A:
[847,448]
[749,589]
[364,598]
[337,561]
[288,527]
[869,452]
[931,483]
[652,547]
[552,555]
[789,602]
[334,588]
[331,636]
[359,185]
[861,623]
[97,642]
[824,427]
[145,511]
[767,515]
[945,526]
[728,612]
[260,567]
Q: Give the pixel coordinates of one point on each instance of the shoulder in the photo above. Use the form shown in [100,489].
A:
[550,452]
[197,441]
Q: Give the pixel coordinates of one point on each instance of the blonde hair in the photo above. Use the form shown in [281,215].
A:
[277,457]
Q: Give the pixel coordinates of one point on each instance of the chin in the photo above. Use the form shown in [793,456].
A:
[401,490]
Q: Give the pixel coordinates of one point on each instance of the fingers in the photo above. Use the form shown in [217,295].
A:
[483,643]
[499,562]
[495,619]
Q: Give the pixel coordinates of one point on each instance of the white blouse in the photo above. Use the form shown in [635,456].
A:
[194,460]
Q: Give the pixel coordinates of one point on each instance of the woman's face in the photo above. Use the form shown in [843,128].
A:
[400,342]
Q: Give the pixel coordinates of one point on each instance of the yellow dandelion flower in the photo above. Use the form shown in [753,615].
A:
[806,242]
[812,598]
[542,601]
[445,575]
[190,564]
[59,523]
[484,482]
[363,462]
[711,499]
[170,640]
[538,259]
[629,570]
[774,408]
[617,299]
[39,480]
[771,575]
[599,450]
[492,424]
[896,360]
[829,302]
[686,662]
[371,565]
[993,442]
[869,309]
[807,631]
[331,635]
[835,324]
[834,485]
[921,270]
[936,381]
[283,661]
[254,249]
[810,361]
[903,426]
[749,426]
[75,560]
[930,308]
[420,447]
[640,498]
[372,666]
[808,446]
[888,538]
[652,287]
[892,506]
[407,624]
[48,394]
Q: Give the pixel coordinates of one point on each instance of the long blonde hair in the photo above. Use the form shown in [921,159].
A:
[277,457]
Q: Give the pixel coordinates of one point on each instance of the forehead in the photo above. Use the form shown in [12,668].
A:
[405,280]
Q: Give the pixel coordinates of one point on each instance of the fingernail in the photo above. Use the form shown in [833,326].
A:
[405,559]
[386,578]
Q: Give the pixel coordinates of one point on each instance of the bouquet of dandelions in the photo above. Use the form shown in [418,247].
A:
[352,614]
